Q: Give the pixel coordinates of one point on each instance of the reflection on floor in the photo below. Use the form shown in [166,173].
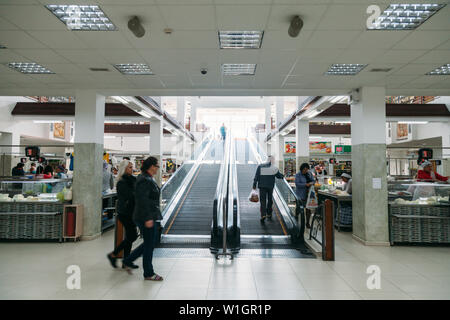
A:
[38,271]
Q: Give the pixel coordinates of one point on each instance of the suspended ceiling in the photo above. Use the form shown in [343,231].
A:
[334,32]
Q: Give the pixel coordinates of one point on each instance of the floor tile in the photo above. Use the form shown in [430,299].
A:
[333,295]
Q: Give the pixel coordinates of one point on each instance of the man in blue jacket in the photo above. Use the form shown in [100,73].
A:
[265,180]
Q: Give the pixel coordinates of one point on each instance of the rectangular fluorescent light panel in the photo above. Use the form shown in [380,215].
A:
[441,71]
[82,17]
[238,69]
[133,68]
[405,16]
[240,39]
[29,67]
[345,69]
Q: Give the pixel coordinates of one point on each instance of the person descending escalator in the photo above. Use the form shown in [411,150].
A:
[265,181]
[223,131]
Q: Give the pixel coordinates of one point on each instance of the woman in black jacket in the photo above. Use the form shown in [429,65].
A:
[147,216]
[126,183]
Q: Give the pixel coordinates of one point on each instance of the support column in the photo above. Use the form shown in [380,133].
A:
[156,136]
[88,158]
[181,116]
[193,126]
[301,142]
[267,121]
[280,139]
[370,210]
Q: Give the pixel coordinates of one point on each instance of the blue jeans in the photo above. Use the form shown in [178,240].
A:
[145,250]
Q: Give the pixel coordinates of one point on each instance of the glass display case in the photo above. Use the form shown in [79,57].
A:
[32,208]
[419,211]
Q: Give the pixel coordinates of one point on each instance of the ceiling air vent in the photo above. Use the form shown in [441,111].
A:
[99,69]
[380,70]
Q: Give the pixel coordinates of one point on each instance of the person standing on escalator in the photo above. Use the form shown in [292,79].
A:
[265,181]
[223,131]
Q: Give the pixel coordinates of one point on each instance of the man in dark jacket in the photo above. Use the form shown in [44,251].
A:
[265,180]
[18,170]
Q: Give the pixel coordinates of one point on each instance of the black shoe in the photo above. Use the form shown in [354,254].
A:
[308,225]
[269,216]
[262,219]
[131,265]
[112,260]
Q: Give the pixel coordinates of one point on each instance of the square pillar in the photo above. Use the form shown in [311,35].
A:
[181,118]
[7,161]
[88,159]
[156,139]
[301,142]
[370,209]
[279,104]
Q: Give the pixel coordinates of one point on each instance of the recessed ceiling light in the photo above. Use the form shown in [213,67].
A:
[441,71]
[82,17]
[405,16]
[238,69]
[344,69]
[240,39]
[133,68]
[29,67]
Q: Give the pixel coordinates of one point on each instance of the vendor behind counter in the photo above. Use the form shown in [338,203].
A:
[348,182]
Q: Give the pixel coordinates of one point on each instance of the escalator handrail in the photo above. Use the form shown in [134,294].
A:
[221,190]
[233,228]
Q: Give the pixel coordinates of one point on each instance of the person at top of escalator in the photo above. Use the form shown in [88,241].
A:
[265,180]
[223,131]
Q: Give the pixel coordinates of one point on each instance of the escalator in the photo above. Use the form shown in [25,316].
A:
[284,229]
[187,221]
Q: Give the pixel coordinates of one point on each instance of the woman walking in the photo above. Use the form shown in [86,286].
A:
[147,215]
[126,183]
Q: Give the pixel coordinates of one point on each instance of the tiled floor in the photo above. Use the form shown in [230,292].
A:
[38,271]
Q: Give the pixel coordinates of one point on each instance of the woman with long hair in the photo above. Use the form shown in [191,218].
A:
[147,216]
[125,206]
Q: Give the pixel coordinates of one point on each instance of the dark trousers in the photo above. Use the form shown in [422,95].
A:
[266,201]
[146,248]
[130,236]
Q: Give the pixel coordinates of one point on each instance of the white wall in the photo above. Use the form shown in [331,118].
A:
[139,143]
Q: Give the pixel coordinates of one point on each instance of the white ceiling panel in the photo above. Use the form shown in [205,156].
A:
[48,78]
[312,55]
[423,40]
[279,39]
[417,69]
[439,21]
[7,55]
[81,56]
[241,17]
[185,2]
[121,56]
[180,80]
[37,17]
[302,69]
[19,2]
[399,56]
[331,39]
[344,17]
[238,82]
[6,25]
[376,39]
[239,56]
[59,39]
[360,56]
[395,80]
[423,82]
[435,56]
[445,46]
[42,55]
[65,68]
[104,39]
[18,40]
[266,81]
[281,15]
[208,81]
[129,2]
[179,39]
[149,16]
[189,17]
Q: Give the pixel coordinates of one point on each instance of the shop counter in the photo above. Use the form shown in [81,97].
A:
[337,201]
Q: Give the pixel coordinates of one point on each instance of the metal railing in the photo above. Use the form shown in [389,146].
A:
[219,221]
[234,224]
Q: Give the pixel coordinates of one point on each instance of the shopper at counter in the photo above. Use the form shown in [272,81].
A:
[303,181]
[18,170]
[426,173]
[60,172]
[33,168]
[147,216]
[48,172]
[126,183]
[108,179]
[348,182]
